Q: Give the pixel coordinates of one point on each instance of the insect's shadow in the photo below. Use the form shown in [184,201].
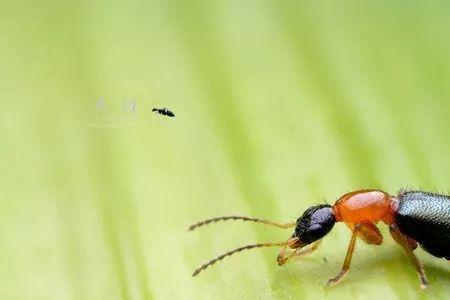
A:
[309,270]
[438,271]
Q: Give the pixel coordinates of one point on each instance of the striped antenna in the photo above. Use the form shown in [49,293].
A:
[234,218]
[231,252]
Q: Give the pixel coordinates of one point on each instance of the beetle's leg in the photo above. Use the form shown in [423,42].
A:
[282,258]
[368,232]
[411,243]
[292,243]
[348,259]
[408,247]
[307,250]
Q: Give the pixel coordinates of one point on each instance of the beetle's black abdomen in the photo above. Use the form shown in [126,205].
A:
[425,217]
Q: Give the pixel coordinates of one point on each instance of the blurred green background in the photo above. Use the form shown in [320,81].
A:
[279,104]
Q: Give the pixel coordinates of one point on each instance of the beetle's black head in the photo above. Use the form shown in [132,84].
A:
[314,224]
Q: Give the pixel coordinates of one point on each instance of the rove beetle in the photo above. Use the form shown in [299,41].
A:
[414,218]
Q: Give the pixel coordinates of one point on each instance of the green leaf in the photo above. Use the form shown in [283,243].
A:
[279,105]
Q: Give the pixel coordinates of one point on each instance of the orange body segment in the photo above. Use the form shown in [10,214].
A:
[364,206]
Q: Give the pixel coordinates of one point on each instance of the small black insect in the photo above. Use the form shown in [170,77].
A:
[164,111]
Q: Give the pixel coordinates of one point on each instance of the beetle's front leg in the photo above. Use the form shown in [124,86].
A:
[348,259]
[283,258]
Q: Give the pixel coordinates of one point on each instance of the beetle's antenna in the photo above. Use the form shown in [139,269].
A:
[247,247]
[234,218]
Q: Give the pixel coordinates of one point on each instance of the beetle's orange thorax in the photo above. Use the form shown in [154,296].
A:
[364,206]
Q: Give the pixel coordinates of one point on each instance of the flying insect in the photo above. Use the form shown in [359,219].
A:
[163,111]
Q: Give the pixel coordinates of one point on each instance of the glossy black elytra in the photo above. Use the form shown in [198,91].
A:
[163,111]
[414,218]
